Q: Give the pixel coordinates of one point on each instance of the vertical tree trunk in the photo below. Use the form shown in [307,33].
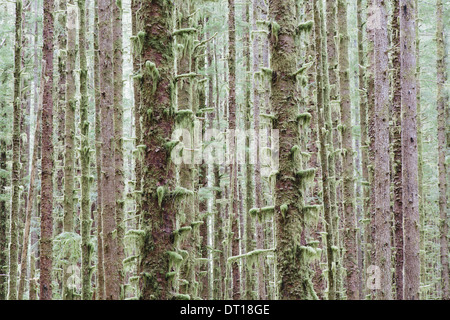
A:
[47,157]
[396,142]
[98,157]
[69,139]
[112,286]
[285,101]
[381,164]
[61,108]
[321,109]
[158,258]
[86,222]
[234,216]
[118,139]
[15,176]
[350,234]
[441,109]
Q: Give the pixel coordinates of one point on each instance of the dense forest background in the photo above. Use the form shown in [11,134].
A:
[251,149]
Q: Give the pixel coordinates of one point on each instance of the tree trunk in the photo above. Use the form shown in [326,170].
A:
[158,260]
[381,164]
[350,233]
[15,177]
[86,222]
[112,286]
[47,157]
[98,157]
[441,109]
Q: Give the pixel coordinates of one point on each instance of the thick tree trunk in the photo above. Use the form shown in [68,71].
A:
[47,157]
[158,258]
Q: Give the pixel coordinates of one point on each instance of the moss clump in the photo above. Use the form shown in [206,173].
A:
[274,30]
[181,234]
[152,71]
[161,192]
[305,176]
[304,119]
[181,32]
[185,118]
[180,296]
[262,214]
[295,151]
[284,209]
[175,259]
[305,26]
[181,192]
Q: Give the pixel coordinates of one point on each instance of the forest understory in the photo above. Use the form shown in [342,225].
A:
[224,150]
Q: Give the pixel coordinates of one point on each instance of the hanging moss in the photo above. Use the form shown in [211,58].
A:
[181,192]
[181,32]
[295,151]
[275,29]
[185,118]
[284,209]
[180,296]
[304,119]
[181,234]
[161,192]
[305,26]
[175,259]
[263,214]
[152,71]
[305,176]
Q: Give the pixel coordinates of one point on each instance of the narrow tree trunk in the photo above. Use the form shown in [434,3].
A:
[47,157]
[86,222]
[441,108]
[15,176]
[381,164]
[112,286]
[118,138]
[98,156]
[396,142]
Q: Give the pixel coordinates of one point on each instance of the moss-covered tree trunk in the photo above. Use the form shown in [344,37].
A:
[362,84]
[112,286]
[158,260]
[137,103]
[441,109]
[323,133]
[100,295]
[86,246]
[350,228]
[381,186]
[15,175]
[46,205]
[69,138]
[4,182]
[118,139]
[285,99]
[257,102]
[234,214]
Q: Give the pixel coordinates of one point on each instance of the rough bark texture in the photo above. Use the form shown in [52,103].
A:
[285,99]
[86,246]
[234,216]
[15,175]
[409,149]
[118,139]
[158,257]
[350,233]
[322,134]
[47,157]
[98,158]
[396,144]
[112,286]
[441,108]
[381,187]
